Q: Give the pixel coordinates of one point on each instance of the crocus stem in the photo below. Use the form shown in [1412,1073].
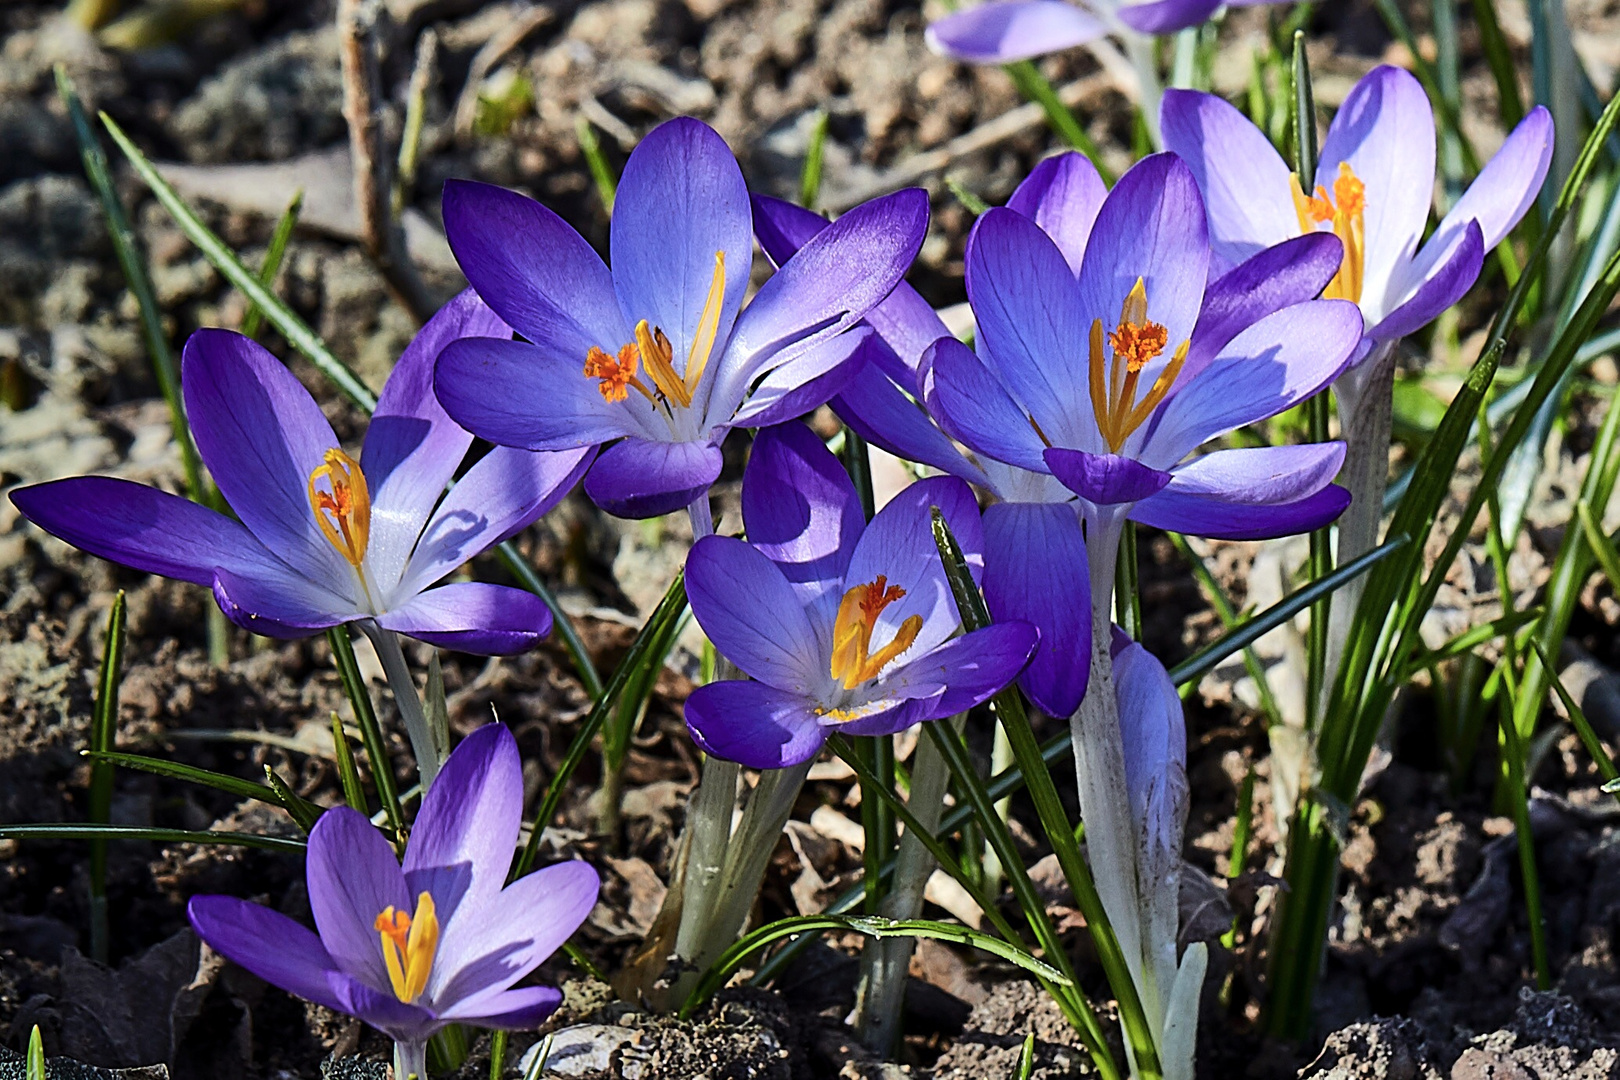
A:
[429,754]
[885,963]
[410,1060]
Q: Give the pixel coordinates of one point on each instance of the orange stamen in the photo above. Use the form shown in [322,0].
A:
[651,350]
[344,511]
[408,945]
[852,658]
[1134,343]
[1345,213]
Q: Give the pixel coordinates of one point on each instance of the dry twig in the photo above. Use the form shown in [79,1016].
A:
[484,61]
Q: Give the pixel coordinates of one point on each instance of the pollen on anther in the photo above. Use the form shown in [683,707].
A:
[1349,192]
[1138,343]
[615,374]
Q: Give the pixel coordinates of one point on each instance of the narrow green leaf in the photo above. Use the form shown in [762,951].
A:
[365,717]
[601,173]
[1602,547]
[966,197]
[1583,727]
[1037,88]
[103,738]
[1499,57]
[810,177]
[303,812]
[272,260]
[189,774]
[36,1055]
[1026,1058]
[537,1064]
[354,796]
[68,831]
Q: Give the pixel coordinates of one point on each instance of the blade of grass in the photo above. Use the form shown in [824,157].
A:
[354,796]
[35,1069]
[103,738]
[273,257]
[67,831]
[303,812]
[1229,619]
[371,736]
[191,774]
[1509,105]
[1583,727]
[1037,88]
[1520,805]
[810,177]
[607,188]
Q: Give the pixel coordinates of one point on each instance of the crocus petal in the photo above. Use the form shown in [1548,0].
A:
[753,724]
[898,544]
[1219,519]
[1260,475]
[506,491]
[680,201]
[1003,31]
[523,1009]
[279,607]
[267,943]
[974,407]
[1439,288]
[383,1011]
[1385,132]
[1508,185]
[412,447]
[885,417]
[1153,729]
[1104,479]
[261,435]
[1166,16]
[1242,177]
[806,382]
[473,617]
[1035,570]
[638,478]
[509,935]
[1032,327]
[825,288]
[1062,195]
[968,670]
[1291,273]
[533,269]
[1151,227]
[801,511]
[750,612]
[353,877]
[1273,365]
[534,397]
[888,716]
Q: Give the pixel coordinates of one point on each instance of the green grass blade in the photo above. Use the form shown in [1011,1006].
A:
[1583,727]
[1037,88]
[36,1056]
[354,796]
[103,738]
[303,812]
[190,774]
[1519,801]
[1603,548]
[371,736]
[607,188]
[1499,57]
[67,831]
[272,260]
[814,155]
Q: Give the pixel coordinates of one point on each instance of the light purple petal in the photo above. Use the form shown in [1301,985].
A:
[680,200]
[1166,16]
[533,269]
[1154,731]
[508,935]
[1261,475]
[353,877]
[753,724]
[523,1009]
[750,612]
[1219,519]
[899,545]
[1003,31]
[412,447]
[473,617]
[885,417]
[807,381]
[261,435]
[267,943]
[1062,195]
[972,406]
[1439,288]
[1035,569]
[1151,227]
[461,845]
[1104,479]
[1031,325]
[1291,273]
[968,670]
[383,1011]
[638,478]
[801,511]
[1275,364]
[506,491]
[279,607]
[1385,131]
[1508,185]
[533,397]
[825,288]
[1242,177]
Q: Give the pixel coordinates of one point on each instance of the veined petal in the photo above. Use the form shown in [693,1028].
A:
[1104,479]
[1166,16]
[753,724]
[1507,187]
[383,1011]
[1221,519]
[281,606]
[353,876]
[680,200]
[750,612]
[1154,731]
[276,949]
[806,382]
[885,417]
[1438,288]
[1062,195]
[640,478]
[965,671]
[974,407]
[1035,569]
[534,397]
[800,510]
[1003,31]
[889,715]
[532,268]
[473,617]
[1261,475]
[523,1009]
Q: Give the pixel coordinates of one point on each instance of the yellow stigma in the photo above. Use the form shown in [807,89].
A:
[408,945]
[1133,343]
[852,658]
[343,508]
[652,350]
[1345,213]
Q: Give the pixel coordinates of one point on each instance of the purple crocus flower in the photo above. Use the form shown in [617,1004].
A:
[324,539]
[1002,31]
[1373,188]
[439,941]
[845,625]
[659,356]
[1105,362]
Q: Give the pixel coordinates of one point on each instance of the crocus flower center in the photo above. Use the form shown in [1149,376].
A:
[651,351]
[408,945]
[853,660]
[1132,344]
[1344,212]
[343,506]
